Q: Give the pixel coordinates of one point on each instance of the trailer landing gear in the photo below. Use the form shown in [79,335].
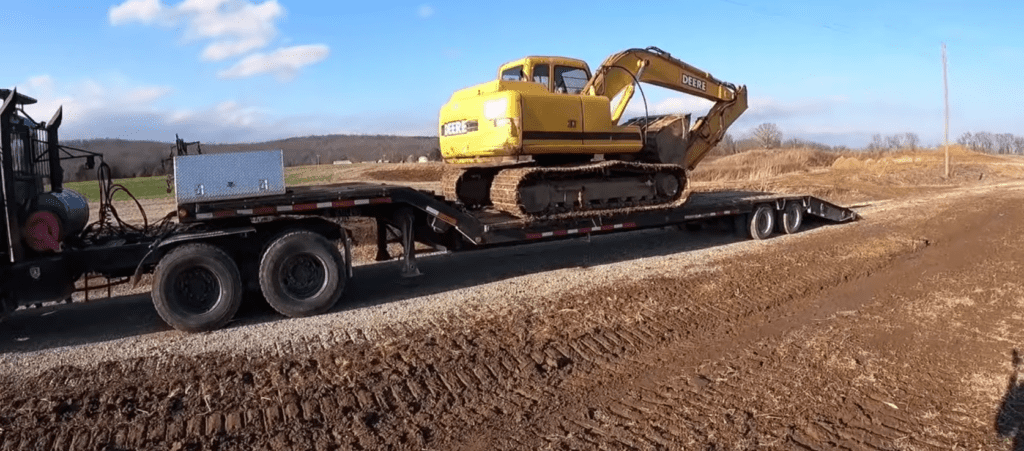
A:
[405,219]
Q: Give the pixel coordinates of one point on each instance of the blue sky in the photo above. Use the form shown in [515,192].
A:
[252,70]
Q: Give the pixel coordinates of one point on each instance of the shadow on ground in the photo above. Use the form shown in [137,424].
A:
[1010,418]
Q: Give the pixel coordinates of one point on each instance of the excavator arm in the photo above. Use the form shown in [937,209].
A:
[621,72]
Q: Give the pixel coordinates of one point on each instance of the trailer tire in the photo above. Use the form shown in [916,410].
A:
[302,274]
[197,288]
[762,222]
[791,218]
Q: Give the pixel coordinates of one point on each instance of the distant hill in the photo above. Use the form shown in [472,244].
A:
[143,158]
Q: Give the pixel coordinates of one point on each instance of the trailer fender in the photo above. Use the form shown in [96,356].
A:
[161,247]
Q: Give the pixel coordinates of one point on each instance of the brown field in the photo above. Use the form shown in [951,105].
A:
[900,331]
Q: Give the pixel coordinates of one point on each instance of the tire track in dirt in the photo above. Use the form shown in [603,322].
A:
[399,395]
[727,392]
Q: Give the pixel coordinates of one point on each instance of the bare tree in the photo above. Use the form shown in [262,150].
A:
[728,144]
[768,135]
[1003,143]
[966,140]
[877,143]
[1018,145]
[796,143]
[894,142]
[984,141]
[911,140]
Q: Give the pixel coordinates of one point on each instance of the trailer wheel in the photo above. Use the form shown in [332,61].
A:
[792,217]
[197,288]
[762,222]
[302,274]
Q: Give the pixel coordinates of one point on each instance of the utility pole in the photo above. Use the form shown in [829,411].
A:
[945,93]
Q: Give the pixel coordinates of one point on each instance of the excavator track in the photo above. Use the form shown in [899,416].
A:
[471,185]
[607,187]
[450,182]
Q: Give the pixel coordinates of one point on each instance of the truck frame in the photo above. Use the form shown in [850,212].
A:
[293,247]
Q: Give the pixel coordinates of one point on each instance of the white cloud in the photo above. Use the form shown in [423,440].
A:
[119,108]
[283,62]
[145,95]
[236,27]
[425,11]
[144,11]
[40,82]
[230,28]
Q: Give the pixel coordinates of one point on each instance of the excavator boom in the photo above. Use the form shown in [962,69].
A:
[621,72]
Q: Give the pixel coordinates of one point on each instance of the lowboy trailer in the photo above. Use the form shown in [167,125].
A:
[244,230]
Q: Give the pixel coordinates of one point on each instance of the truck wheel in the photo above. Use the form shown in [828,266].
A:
[791,218]
[762,222]
[302,274]
[197,288]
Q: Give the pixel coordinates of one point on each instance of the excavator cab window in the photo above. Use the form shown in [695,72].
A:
[512,74]
[570,79]
[541,74]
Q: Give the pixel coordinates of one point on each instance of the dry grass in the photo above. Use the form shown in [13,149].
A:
[853,177]
[758,165]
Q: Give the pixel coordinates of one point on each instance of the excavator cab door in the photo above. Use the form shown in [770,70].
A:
[570,80]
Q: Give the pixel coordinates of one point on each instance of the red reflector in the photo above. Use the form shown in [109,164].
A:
[42,231]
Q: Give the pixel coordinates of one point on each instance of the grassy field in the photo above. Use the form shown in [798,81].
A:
[140,187]
[156,187]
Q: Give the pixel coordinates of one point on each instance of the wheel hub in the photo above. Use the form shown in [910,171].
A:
[198,289]
[304,276]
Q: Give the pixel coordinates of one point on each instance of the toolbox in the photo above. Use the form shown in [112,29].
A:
[219,176]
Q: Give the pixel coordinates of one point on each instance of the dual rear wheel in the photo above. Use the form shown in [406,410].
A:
[764,220]
[197,287]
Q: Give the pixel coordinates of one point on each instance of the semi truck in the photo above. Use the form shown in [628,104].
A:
[233,232]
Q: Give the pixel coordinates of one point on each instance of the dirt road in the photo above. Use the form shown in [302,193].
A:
[895,332]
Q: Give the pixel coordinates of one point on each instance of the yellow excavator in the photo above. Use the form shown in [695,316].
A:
[543,140]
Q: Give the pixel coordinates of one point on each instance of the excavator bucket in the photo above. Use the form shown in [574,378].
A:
[669,134]
[709,130]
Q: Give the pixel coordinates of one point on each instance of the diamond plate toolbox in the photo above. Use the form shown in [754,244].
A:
[219,176]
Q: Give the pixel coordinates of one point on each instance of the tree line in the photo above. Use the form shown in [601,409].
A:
[128,158]
[767,136]
[1005,143]
[770,136]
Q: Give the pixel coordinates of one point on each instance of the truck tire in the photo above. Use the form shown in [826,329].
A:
[302,274]
[762,222]
[197,288]
[791,218]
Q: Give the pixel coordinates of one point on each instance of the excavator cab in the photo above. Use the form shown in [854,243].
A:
[557,74]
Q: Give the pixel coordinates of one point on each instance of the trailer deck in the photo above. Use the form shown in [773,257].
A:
[486,228]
